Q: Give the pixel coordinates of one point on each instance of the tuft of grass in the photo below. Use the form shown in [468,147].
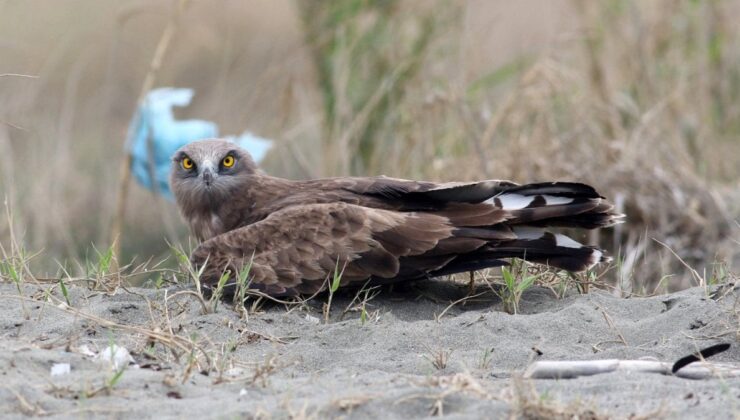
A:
[218,292]
[108,386]
[158,281]
[360,303]
[113,380]
[64,290]
[242,287]
[263,371]
[363,315]
[104,270]
[10,270]
[15,260]
[721,274]
[485,361]
[515,283]
[187,269]
[105,259]
[333,287]
[529,404]
[438,358]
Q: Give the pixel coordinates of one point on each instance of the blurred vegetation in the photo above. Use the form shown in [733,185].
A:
[365,54]
[639,99]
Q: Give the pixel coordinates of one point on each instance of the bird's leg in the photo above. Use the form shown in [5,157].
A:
[471,283]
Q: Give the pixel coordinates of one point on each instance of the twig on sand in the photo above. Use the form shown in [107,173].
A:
[26,407]
[35,409]
[611,325]
[463,299]
[459,383]
[573,369]
[198,298]
[269,337]
[349,403]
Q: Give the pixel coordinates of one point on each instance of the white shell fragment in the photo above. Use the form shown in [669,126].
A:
[234,372]
[85,350]
[59,369]
[117,356]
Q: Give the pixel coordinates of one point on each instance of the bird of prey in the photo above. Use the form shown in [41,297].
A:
[294,235]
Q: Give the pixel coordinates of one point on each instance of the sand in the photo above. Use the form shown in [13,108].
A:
[404,361]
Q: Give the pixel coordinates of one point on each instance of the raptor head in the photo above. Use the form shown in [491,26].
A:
[206,173]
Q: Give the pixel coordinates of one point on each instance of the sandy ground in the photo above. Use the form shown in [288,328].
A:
[286,362]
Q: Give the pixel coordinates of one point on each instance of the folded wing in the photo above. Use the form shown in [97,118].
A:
[297,249]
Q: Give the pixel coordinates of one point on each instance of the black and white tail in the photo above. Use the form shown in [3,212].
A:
[523,219]
[536,207]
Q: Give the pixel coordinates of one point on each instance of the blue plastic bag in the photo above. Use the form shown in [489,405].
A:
[154,119]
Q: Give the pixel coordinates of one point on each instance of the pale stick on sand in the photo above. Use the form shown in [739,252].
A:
[574,369]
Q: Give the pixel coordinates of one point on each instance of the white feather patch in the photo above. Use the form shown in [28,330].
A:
[533,233]
[512,201]
[566,242]
[552,200]
[518,201]
[596,257]
[528,232]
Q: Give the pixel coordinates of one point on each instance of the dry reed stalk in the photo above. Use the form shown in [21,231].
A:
[125,170]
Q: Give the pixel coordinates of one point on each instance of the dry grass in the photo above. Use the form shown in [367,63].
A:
[438,358]
[443,387]
[527,403]
[639,99]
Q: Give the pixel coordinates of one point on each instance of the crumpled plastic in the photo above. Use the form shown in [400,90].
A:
[154,120]
[118,357]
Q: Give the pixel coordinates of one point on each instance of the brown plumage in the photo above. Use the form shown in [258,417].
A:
[296,233]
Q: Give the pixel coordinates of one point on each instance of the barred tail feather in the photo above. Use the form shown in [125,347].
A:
[495,221]
[562,204]
[531,244]
[514,221]
[554,249]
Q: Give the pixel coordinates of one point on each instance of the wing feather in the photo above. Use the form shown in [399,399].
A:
[295,250]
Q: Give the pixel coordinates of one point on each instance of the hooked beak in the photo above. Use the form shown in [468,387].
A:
[208,177]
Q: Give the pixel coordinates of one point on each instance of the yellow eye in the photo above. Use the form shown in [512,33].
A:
[228,161]
[187,163]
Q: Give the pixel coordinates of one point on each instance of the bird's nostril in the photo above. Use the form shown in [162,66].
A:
[207,177]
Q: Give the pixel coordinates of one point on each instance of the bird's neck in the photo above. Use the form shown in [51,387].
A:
[250,203]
